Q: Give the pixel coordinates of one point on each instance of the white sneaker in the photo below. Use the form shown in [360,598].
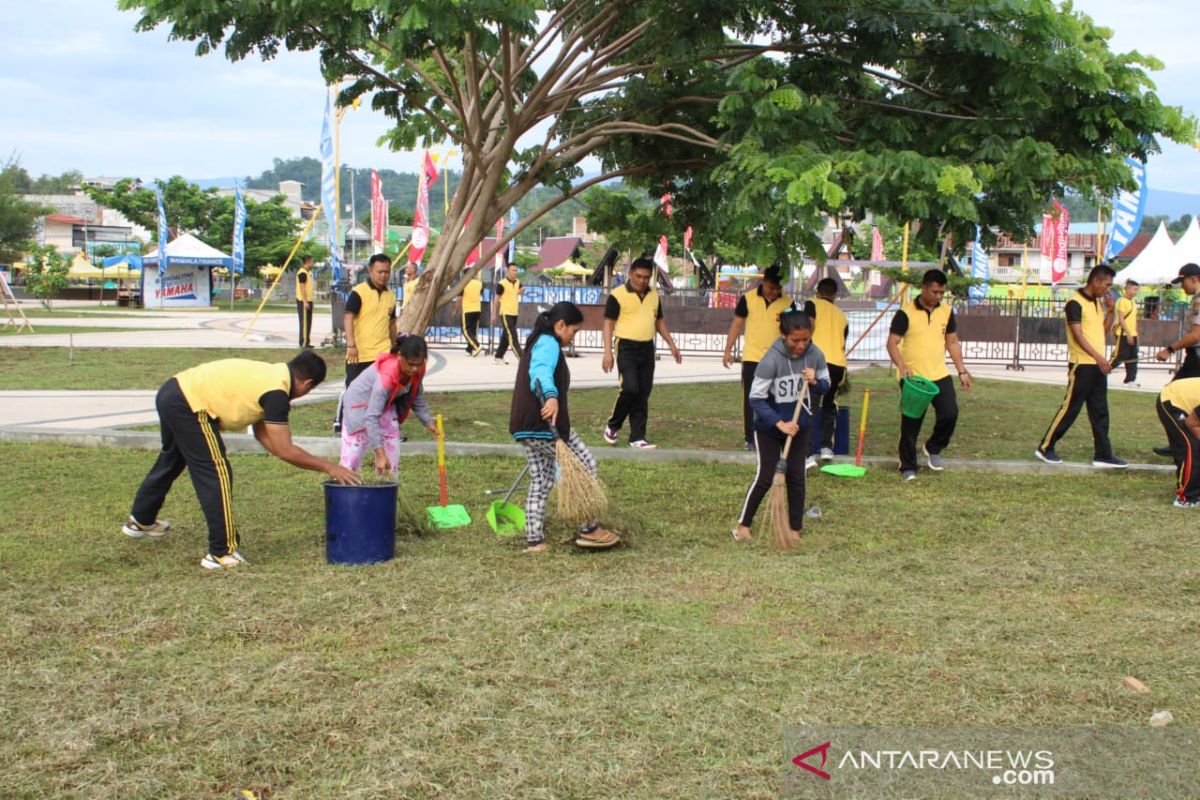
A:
[642,444]
[229,561]
[610,435]
[137,530]
[809,463]
[826,454]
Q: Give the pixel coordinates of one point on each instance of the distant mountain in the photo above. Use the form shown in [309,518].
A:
[1172,204]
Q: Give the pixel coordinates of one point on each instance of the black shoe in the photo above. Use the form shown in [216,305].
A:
[402,438]
[1162,451]
[748,445]
[337,429]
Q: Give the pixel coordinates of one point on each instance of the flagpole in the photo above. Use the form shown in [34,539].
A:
[337,173]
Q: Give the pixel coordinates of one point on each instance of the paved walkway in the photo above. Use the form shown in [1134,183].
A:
[98,416]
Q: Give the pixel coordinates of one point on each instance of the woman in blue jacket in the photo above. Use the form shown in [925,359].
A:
[792,362]
[540,414]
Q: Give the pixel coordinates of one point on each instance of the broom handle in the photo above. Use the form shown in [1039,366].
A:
[795,416]
[441,437]
[862,427]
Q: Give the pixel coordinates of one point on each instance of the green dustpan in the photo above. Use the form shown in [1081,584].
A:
[452,516]
[506,519]
[844,470]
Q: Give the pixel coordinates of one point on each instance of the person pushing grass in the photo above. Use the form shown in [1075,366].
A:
[378,402]
[790,363]
[540,413]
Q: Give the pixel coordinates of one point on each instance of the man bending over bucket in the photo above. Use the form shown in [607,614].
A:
[193,408]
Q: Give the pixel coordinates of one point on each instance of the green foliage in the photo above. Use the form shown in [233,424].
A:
[18,218]
[1176,228]
[956,285]
[45,273]
[271,229]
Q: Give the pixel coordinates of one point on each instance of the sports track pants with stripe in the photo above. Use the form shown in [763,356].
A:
[1086,385]
[191,440]
[1185,450]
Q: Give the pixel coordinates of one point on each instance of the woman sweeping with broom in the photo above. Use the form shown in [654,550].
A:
[786,382]
[540,416]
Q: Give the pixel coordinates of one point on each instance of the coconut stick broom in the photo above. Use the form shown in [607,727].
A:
[579,496]
[777,505]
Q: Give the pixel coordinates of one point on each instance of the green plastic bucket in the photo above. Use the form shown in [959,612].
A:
[916,393]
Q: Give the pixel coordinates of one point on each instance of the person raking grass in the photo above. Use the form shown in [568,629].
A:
[193,408]
[779,378]
[534,424]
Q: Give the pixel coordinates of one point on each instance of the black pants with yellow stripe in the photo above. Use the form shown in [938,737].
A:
[191,440]
[470,329]
[1185,450]
[508,336]
[945,415]
[1086,384]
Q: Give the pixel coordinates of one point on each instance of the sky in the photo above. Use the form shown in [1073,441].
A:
[81,90]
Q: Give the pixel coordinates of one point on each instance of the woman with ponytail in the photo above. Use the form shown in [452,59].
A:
[379,400]
[540,414]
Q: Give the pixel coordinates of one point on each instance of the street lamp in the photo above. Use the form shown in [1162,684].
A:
[353,219]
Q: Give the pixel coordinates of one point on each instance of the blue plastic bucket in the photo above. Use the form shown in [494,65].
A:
[841,431]
[360,523]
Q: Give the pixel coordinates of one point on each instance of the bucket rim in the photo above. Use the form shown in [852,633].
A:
[336,485]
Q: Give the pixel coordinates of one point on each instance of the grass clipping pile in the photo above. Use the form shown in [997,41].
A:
[579,496]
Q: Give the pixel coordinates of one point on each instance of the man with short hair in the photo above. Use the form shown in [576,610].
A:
[632,317]
[830,331]
[304,300]
[193,408]
[1125,317]
[922,332]
[757,314]
[369,321]
[1089,315]
[508,304]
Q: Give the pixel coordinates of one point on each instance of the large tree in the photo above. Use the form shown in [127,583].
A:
[18,218]
[762,116]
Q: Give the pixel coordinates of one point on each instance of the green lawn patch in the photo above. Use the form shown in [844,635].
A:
[7,330]
[466,669]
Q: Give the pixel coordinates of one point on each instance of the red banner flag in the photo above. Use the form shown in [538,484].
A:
[876,245]
[420,234]
[1058,268]
[666,204]
[1046,240]
[378,213]
[687,238]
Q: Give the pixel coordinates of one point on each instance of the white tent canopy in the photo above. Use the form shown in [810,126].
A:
[1157,263]
[1187,249]
[188,250]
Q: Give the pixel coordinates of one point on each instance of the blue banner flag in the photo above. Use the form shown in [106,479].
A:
[979,268]
[328,184]
[163,234]
[239,231]
[512,243]
[1127,213]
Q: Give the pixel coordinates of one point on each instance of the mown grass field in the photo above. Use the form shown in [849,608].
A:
[467,669]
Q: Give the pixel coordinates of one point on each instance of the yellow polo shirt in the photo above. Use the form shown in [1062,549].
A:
[304,285]
[510,298]
[635,316]
[373,311]
[1125,317]
[829,331]
[762,322]
[232,391]
[924,330]
[1184,394]
[472,296]
[1088,311]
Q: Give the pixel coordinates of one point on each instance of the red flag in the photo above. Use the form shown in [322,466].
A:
[660,255]
[1046,240]
[499,235]
[876,245]
[665,202]
[378,212]
[1058,268]
[420,234]
[687,238]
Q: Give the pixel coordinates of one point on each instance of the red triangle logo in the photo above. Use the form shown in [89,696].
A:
[823,749]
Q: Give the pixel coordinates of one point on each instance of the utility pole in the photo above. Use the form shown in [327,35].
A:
[353,221]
